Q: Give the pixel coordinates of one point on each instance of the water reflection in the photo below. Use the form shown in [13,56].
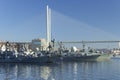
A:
[45,72]
[61,71]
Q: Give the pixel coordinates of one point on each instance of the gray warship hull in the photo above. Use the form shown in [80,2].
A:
[79,58]
[52,59]
[24,60]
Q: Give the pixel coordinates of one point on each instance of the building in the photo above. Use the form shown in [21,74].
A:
[39,44]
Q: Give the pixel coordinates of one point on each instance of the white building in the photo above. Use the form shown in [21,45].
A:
[39,44]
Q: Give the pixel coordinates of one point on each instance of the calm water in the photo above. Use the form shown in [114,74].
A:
[107,70]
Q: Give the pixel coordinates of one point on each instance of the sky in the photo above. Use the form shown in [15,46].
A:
[72,20]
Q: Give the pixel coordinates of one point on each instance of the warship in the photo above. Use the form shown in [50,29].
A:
[80,57]
[8,54]
[74,55]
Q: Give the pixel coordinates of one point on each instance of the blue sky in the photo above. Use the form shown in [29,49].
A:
[24,20]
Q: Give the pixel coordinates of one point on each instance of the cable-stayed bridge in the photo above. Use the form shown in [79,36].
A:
[117,41]
[95,44]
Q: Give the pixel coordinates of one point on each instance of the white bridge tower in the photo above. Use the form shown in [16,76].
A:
[48,25]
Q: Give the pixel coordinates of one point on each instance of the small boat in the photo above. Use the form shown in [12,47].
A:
[115,56]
